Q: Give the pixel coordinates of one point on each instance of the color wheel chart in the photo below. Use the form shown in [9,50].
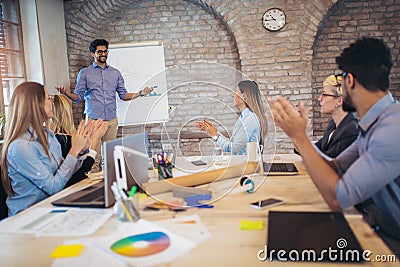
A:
[142,244]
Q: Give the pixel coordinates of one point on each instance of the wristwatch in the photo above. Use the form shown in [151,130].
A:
[140,93]
[215,137]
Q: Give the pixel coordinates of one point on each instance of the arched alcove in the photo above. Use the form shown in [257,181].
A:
[288,62]
[345,22]
[190,30]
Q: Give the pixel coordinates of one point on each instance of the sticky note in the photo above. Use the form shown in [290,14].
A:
[64,251]
[251,225]
[142,196]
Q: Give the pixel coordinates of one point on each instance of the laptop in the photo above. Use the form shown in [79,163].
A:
[311,236]
[100,194]
[280,169]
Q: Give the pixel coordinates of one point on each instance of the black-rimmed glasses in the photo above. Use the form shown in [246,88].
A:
[323,95]
[102,52]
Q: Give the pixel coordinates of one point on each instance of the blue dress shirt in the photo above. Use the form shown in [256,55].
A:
[246,129]
[34,176]
[370,167]
[98,87]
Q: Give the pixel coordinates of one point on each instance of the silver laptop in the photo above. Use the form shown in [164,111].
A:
[100,195]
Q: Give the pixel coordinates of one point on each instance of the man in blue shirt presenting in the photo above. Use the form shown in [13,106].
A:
[370,167]
[97,85]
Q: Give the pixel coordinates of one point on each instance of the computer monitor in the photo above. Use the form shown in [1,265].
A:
[136,166]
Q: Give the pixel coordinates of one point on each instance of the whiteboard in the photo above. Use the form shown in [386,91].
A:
[141,65]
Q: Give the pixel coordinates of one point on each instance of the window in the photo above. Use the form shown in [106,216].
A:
[12,67]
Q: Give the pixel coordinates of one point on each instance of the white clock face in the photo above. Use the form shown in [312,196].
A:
[274,19]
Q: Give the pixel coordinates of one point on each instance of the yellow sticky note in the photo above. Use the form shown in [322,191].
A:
[142,196]
[65,251]
[251,225]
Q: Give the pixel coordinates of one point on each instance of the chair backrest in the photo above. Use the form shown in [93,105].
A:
[3,205]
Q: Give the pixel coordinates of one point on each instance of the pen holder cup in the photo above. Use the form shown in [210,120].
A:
[127,210]
[164,171]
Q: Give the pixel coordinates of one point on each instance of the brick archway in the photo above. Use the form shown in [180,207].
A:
[345,22]
[124,22]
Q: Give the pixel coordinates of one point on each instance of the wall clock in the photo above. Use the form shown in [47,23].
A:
[274,19]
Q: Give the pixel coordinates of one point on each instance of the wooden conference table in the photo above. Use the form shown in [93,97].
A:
[228,244]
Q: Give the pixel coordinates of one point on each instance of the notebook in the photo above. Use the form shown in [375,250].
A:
[280,169]
[311,236]
[100,195]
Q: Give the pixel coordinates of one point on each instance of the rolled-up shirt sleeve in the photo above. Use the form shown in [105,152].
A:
[366,172]
[121,90]
[80,86]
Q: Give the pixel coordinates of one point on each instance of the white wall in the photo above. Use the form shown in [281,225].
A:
[45,45]
[30,36]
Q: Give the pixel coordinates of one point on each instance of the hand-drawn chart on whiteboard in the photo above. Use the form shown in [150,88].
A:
[141,65]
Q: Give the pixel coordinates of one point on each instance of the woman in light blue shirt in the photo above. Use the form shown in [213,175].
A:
[31,161]
[251,125]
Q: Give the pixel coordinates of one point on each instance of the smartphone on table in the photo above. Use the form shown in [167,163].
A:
[266,203]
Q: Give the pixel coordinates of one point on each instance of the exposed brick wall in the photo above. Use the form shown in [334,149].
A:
[225,32]
[347,21]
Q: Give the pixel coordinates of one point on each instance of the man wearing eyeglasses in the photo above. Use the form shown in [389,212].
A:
[97,85]
[370,167]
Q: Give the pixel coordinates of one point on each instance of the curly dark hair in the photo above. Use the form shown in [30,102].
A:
[93,45]
[370,61]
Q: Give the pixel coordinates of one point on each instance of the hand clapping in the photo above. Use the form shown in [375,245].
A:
[99,129]
[207,127]
[79,139]
[292,122]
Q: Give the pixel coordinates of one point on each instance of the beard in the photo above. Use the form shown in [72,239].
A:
[348,105]
[102,59]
